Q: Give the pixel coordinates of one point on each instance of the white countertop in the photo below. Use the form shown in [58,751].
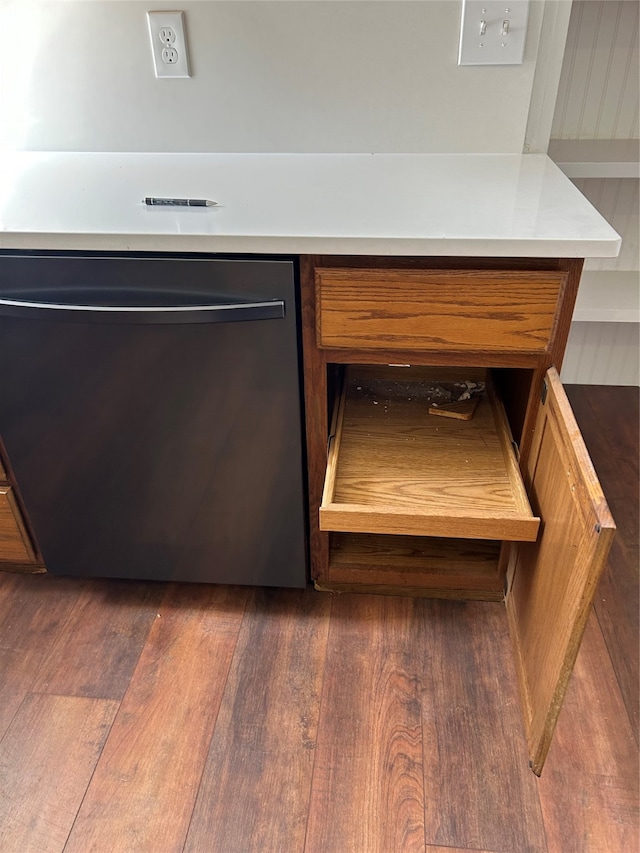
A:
[386,204]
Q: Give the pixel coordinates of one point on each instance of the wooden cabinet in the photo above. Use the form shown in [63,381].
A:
[16,550]
[505,505]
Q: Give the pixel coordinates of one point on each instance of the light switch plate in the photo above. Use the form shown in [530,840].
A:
[493,32]
[168,44]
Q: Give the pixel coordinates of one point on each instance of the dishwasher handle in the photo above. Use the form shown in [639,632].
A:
[162,314]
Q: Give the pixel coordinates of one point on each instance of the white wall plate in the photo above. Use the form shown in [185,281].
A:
[493,32]
[168,44]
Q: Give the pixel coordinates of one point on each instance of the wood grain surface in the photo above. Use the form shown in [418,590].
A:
[436,848]
[469,706]
[316,406]
[47,758]
[398,672]
[419,742]
[481,592]
[446,567]
[553,581]
[564,314]
[142,794]
[393,469]
[15,546]
[113,616]
[367,791]
[614,451]
[378,310]
[32,615]
[463,310]
[254,793]
[589,788]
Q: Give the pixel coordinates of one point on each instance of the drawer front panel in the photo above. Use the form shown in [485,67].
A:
[14,541]
[429,310]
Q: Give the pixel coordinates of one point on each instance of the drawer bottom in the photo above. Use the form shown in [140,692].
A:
[414,565]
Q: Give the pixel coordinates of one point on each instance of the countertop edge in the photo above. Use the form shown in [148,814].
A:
[291,245]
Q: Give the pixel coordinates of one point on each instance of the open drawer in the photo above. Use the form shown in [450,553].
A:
[394,468]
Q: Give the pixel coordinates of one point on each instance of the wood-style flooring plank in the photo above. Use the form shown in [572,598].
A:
[47,757]
[255,787]
[144,788]
[618,611]
[479,790]
[608,420]
[367,790]
[589,787]
[33,610]
[430,848]
[110,615]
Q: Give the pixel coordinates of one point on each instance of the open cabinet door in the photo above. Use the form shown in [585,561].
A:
[551,582]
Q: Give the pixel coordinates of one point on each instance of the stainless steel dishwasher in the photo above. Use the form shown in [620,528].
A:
[150,410]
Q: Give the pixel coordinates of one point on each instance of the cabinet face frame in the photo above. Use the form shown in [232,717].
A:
[543,673]
[317,362]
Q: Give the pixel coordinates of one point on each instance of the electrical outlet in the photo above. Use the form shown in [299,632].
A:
[168,44]
[493,32]
[166,35]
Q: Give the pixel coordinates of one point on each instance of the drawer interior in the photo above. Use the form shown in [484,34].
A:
[395,468]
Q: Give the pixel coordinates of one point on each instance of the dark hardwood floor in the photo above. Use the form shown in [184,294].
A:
[139,717]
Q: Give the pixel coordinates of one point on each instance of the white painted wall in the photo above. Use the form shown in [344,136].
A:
[271,75]
[597,99]
[599,86]
[602,354]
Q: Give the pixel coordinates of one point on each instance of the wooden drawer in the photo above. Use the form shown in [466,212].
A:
[436,310]
[415,565]
[394,468]
[15,546]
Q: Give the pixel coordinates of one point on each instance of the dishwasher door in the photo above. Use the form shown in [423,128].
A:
[151,415]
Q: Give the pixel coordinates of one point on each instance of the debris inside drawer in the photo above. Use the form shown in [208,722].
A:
[463,410]
[451,399]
